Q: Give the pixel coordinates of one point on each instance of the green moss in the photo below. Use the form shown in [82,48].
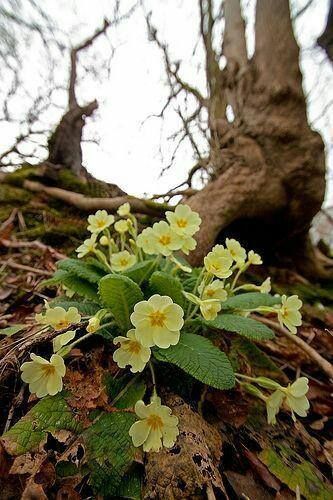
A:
[17,178]
[69,181]
[13,195]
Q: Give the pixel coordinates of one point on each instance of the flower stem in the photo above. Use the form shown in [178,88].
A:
[150,364]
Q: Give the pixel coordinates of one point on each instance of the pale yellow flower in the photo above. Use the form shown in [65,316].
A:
[93,324]
[293,397]
[62,339]
[210,308]
[214,290]
[146,240]
[219,262]
[188,245]
[131,352]
[254,258]
[124,209]
[44,377]
[88,246]
[100,221]
[236,250]
[158,321]
[156,426]
[288,313]
[183,220]
[166,240]
[121,226]
[122,261]
[265,286]
[59,318]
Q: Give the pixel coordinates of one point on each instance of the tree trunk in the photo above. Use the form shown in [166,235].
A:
[270,173]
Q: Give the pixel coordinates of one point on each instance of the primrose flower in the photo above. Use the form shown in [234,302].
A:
[236,250]
[60,340]
[124,209]
[122,261]
[265,286]
[158,321]
[288,313]
[293,397]
[166,239]
[188,245]
[156,426]
[93,324]
[183,220]
[214,291]
[121,226]
[44,377]
[254,258]
[131,352]
[59,318]
[88,246]
[210,308]
[219,262]
[146,241]
[100,221]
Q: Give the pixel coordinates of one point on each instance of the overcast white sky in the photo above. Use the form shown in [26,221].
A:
[129,151]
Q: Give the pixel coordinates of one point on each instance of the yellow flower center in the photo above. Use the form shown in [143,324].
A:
[123,262]
[100,223]
[181,223]
[210,292]
[63,323]
[165,239]
[48,370]
[155,422]
[133,346]
[157,318]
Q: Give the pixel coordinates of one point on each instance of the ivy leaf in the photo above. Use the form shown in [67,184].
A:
[296,473]
[197,356]
[140,271]
[250,300]
[11,330]
[247,327]
[120,294]
[109,451]
[82,269]
[50,414]
[165,284]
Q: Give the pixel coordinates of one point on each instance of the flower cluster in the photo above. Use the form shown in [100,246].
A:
[117,246]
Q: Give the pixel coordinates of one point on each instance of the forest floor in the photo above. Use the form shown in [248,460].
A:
[255,460]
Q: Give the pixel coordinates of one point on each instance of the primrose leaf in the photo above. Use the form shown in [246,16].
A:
[81,269]
[198,357]
[120,294]
[247,327]
[165,284]
[250,300]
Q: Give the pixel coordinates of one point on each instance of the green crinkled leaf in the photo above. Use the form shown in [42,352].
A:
[261,364]
[57,279]
[165,284]
[293,471]
[80,286]
[247,327]
[131,484]
[109,451]
[191,280]
[250,300]
[81,269]
[120,294]
[140,271]
[48,415]
[85,307]
[11,330]
[134,391]
[197,356]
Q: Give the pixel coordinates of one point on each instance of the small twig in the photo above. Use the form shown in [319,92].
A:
[16,402]
[29,269]
[325,365]
[33,244]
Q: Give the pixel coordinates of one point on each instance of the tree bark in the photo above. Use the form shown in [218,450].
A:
[271,169]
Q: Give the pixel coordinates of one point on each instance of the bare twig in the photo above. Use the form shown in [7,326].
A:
[29,269]
[325,365]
